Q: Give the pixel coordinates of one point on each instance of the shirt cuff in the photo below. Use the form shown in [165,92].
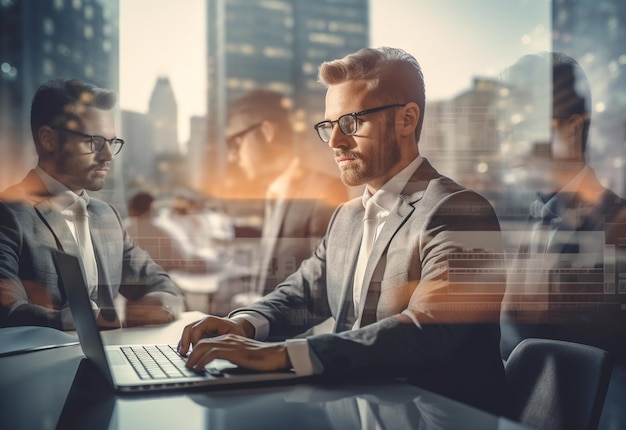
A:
[412,316]
[303,360]
[259,322]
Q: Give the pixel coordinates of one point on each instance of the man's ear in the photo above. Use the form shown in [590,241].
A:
[567,144]
[268,129]
[48,139]
[573,132]
[410,117]
[575,124]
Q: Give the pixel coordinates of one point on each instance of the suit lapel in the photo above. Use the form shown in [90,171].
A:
[353,229]
[58,227]
[401,212]
[377,262]
[98,230]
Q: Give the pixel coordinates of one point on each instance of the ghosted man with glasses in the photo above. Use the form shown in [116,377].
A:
[75,139]
[299,201]
[424,302]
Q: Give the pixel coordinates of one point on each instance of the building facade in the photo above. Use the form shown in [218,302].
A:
[278,45]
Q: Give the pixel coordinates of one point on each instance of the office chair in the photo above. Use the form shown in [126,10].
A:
[557,385]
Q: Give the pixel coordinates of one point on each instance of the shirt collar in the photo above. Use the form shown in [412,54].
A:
[388,194]
[565,196]
[62,197]
[556,205]
[574,185]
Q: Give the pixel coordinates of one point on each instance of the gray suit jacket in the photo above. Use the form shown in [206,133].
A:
[299,225]
[31,292]
[576,296]
[436,280]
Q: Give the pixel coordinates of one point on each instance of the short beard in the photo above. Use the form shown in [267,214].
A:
[387,157]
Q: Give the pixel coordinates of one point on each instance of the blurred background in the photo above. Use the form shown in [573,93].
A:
[177,65]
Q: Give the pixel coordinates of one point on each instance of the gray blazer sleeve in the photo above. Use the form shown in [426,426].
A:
[435,285]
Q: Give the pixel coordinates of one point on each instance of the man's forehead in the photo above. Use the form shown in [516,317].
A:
[98,121]
[349,96]
[239,121]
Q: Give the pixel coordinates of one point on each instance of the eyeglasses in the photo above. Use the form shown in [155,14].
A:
[348,123]
[97,142]
[234,141]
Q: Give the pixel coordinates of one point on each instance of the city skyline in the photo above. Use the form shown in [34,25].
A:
[450,58]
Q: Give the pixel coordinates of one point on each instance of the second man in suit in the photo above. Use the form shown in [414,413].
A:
[299,201]
[74,134]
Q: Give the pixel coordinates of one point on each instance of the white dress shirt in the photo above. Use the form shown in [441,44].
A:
[303,360]
[62,199]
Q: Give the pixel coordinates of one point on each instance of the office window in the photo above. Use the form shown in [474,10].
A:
[242,48]
[63,50]
[89,70]
[326,39]
[48,26]
[48,68]
[277,6]
[276,52]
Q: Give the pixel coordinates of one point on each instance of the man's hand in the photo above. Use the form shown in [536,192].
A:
[212,326]
[214,337]
[244,352]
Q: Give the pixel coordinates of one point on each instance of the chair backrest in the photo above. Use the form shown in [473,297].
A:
[557,385]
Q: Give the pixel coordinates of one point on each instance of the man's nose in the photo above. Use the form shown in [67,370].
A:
[106,153]
[339,140]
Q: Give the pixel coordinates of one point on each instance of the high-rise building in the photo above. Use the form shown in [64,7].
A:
[277,45]
[138,155]
[163,113]
[42,40]
[460,135]
[195,148]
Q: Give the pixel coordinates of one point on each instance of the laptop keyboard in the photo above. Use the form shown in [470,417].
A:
[157,361]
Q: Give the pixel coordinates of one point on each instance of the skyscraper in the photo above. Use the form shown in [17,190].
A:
[277,45]
[139,160]
[42,40]
[163,113]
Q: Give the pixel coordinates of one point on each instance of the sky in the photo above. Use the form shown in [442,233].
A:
[454,40]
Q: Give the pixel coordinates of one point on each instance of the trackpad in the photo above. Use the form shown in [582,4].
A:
[116,357]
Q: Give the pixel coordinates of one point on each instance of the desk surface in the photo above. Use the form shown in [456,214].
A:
[58,388]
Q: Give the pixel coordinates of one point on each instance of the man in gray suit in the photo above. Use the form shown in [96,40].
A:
[74,135]
[299,201]
[427,305]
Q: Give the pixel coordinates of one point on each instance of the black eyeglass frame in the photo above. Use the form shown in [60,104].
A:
[355,116]
[234,142]
[93,140]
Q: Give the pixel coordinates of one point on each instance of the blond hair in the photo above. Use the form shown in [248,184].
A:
[392,74]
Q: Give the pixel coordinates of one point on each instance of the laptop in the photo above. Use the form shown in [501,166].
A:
[132,368]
